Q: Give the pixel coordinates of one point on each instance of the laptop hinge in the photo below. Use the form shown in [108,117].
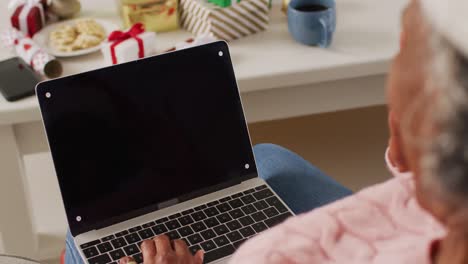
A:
[168,203]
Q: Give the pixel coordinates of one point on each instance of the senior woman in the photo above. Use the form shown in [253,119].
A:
[419,216]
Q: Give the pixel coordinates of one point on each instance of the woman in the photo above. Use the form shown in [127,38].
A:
[419,216]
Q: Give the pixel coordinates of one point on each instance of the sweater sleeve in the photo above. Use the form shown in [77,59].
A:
[294,241]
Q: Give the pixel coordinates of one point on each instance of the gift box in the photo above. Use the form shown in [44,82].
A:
[239,20]
[129,45]
[13,4]
[156,15]
[28,16]
[222,3]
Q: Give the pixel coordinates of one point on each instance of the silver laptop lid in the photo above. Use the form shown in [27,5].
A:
[132,138]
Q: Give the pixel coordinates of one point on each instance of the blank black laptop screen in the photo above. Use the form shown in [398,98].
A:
[128,137]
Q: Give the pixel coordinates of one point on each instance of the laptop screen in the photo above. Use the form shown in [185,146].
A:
[129,137]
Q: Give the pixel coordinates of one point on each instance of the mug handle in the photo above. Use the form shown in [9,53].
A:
[324,35]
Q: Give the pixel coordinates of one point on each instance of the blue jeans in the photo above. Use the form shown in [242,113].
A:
[302,186]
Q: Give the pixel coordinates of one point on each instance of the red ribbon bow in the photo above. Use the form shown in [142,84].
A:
[118,37]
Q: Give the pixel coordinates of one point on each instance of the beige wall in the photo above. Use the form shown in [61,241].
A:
[347,145]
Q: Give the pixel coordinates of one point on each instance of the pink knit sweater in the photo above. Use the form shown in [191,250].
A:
[380,224]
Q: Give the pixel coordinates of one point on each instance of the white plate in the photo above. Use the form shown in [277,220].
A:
[42,38]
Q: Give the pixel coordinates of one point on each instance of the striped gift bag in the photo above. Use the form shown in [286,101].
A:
[239,20]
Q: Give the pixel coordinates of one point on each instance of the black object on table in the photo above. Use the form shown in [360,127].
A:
[17,79]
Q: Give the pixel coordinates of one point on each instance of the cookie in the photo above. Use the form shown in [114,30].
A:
[83,34]
[90,27]
[63,35]
[84,41]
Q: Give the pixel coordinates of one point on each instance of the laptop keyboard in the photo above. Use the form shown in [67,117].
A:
[218,227]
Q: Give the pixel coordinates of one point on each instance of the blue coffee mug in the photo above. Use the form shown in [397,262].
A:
[314,28]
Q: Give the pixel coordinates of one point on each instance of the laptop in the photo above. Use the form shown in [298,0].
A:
[157,146]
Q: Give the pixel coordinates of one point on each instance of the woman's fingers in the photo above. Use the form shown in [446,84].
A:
[148,248]
[180,247]
[163,245]
[183,253]
[161,251]
[127,260]
[199,256]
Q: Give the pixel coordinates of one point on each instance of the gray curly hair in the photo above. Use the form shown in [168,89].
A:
[445,161]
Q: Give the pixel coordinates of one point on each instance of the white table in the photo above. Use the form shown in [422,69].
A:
[278,78]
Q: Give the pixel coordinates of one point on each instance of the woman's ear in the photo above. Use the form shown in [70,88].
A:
[395,145]
[402,38]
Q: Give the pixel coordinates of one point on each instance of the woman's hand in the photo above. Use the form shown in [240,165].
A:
[161,250]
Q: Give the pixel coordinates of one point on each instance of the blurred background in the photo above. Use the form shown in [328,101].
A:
[326,104]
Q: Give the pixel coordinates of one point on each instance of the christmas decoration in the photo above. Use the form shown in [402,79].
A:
[128,45]
[156,15]
[239,20]
[30,52]
[28,16]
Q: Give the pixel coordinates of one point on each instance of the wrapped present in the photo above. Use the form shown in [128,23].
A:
[284,5]
[226,3]
[239,20]
[129,45]
[42,62]
[50,16]
[222,3]
[156,15]
[28,16]
[13,4]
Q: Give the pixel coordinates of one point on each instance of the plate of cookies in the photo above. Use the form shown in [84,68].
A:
[74,37]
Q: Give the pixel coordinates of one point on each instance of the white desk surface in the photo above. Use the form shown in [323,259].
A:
[365,41]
